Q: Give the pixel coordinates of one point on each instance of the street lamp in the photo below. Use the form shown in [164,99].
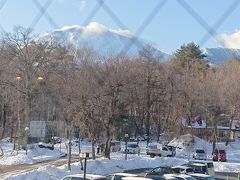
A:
[26,135]
[18,78]
[40,79]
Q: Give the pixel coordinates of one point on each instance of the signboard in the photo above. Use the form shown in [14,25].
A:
[38,129]
[85,155]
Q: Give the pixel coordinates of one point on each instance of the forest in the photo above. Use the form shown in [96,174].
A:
[103,98]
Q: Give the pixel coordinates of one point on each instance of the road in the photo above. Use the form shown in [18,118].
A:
[7,170]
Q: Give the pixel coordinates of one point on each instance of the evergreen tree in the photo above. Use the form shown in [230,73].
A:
[190,53]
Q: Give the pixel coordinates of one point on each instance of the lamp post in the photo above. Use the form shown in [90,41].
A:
[18,78]
[126,150]
[26,135]
[40,79]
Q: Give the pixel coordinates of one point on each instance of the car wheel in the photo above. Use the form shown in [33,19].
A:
[152,155]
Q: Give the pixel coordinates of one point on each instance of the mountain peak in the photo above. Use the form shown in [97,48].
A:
[95,27]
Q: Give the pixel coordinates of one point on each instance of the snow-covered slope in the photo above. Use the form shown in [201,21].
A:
[103,40]
[107,42]
[220,55]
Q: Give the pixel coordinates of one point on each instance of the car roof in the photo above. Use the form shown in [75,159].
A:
[135,178]
[182,167]
[135,143]
[87,175]
[200,175]
[183,175]
[200,161]
[170,176]
[198,164]
[125,174]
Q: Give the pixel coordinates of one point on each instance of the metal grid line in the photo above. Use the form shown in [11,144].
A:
[211,30]
[221,20]
[42,11]
[94,11]
[145,24]
[2,3]
[115,18]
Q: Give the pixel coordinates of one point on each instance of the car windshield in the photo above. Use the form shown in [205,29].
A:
[132,145]
[161,170]
[172,148]
[200,169]
[200,151]
[180,170]
[152,147]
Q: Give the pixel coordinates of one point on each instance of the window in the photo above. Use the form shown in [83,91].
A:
[133,145]
[67,178]
[200,151]
[165,149]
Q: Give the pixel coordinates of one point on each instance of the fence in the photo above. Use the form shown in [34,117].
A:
[211,29]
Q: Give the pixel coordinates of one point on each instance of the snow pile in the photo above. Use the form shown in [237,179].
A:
[34,154]
[101,167]
[226,167]
[187,143]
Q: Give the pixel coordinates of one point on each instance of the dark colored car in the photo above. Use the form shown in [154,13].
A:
[198,167]
[182,169]
[219,155]
[158,172]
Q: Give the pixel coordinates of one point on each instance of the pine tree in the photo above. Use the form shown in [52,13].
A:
[190,53]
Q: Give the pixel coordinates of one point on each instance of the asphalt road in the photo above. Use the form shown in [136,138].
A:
[6,170]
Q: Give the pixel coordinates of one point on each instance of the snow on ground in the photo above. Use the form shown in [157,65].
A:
[100,166]
[34,154]
[232,150]
[117,163]
[187,144]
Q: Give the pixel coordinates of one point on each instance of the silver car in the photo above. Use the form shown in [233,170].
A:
[200,154]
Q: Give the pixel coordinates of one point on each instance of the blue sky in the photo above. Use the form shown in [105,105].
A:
[169,28]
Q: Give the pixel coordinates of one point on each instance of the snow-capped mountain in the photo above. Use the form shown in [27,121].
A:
[103,40]
[106,42]
[220,55]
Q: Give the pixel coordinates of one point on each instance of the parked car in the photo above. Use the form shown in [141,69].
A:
[135,178]
[81,177]
[46,145]
[119,176]
[202,176]
[172,148]
[198,168]
[182,169]
[209,165]
[158,172]
[165,151]
[180,176]
[219,155]
[133,148]
[200,154]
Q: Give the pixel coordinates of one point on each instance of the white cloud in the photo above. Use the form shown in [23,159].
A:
[230,40]
[82,5]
